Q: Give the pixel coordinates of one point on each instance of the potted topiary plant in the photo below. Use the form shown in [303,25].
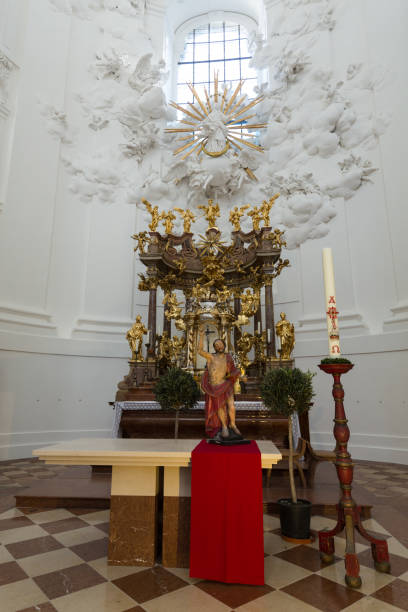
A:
[286,391]
[175,390]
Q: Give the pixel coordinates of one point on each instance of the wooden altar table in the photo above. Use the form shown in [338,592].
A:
[135,492]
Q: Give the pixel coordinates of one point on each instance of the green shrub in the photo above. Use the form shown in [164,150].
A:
[335,360]
[285,391]
[175,390]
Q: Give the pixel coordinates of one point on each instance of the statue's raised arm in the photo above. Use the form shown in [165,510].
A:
[200,348]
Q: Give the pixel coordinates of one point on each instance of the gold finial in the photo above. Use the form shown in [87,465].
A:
[212,211]
[142,239]
[256,215]
[266,209]
[235,216]
[188,218]
[154,211]
[168,220]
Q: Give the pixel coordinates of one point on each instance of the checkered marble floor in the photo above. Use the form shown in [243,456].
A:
[56,560]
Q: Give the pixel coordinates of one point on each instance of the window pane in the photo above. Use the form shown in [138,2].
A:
[232,71]
[201,34]
[187,54]
[246,71]
[184,94]
[216,31]
[231,48]
[201,74]
[244,47]
[248,87]
[185,73]
[216,47]
[217,50]
[217,67]
[231,31]
[201,52]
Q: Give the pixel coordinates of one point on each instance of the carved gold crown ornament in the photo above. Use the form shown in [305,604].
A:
[218,124]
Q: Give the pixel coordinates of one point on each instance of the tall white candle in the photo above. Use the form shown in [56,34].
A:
[268,333]
[330,304]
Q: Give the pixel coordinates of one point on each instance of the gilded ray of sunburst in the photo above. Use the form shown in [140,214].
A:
[217,124]
[211,245]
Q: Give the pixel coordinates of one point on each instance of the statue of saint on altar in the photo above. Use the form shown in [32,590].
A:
[286,332]
[135,338]
[217,383]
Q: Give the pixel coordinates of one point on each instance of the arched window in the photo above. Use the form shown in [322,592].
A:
[216,47]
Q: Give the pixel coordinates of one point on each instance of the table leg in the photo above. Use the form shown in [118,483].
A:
[176,517]
[133,516]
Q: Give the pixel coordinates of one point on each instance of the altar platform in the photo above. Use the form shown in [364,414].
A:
[145,502]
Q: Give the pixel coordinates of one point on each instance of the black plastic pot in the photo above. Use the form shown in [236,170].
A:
[295,518]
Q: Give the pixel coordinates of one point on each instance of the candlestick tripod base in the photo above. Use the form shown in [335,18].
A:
[348,513]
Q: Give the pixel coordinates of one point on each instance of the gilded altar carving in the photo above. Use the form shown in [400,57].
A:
[188,218]
[135,338]
[286,333]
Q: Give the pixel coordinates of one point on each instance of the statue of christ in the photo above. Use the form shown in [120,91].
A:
[218,385]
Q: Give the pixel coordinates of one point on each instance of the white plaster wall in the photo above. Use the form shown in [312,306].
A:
[68,275]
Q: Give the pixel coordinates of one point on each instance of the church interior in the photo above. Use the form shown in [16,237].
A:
[197,338]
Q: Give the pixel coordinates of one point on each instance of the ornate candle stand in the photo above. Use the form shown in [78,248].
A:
[348,513]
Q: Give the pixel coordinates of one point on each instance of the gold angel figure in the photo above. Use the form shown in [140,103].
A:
[165,347]
[154,211]
[278,238]
[223,295]
[142,239]
[260,346]
[212,211]
[244,345]
[200,293]
[178,343]
[256,215]
[286,332]
[188,218]
[173,310]
[249,302]
[266,209]
[235,216]
[135,338]
[168,220]
[249,306]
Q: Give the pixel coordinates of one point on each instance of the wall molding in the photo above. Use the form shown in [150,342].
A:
[113,329]
[371,447]
[25,320]
[17,445]
[399,320]
[351,324]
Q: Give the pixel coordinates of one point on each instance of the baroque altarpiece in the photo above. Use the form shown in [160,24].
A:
[209,282]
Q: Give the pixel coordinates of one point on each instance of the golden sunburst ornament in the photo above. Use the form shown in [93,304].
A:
[216,125]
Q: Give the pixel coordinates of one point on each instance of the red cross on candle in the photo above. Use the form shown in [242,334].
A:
[332,313]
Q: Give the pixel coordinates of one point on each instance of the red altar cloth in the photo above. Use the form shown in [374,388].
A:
[226,540]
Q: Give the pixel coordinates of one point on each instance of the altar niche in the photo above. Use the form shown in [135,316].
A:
[208,283]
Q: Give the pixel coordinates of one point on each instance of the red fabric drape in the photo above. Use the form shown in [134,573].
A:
[226,542]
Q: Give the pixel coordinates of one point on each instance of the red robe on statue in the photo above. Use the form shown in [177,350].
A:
[216,396]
